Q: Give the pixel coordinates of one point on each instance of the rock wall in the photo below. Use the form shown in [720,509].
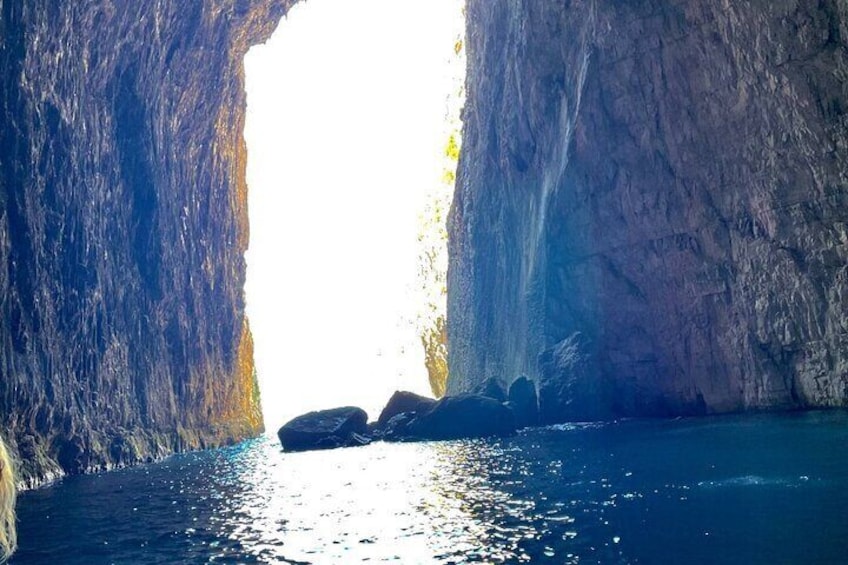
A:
[123,225]
[651,215]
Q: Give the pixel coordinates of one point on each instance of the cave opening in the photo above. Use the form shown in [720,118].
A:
[352,130]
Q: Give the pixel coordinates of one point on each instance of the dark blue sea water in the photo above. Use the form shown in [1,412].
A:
[741,489]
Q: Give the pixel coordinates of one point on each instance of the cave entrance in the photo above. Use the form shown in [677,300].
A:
[350,108]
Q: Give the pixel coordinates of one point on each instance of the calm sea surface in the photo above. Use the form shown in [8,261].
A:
[748,489]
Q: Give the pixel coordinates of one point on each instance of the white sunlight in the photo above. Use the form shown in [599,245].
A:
[345,133]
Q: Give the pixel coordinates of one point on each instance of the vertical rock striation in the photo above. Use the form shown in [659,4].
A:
[651,214]
[123,226]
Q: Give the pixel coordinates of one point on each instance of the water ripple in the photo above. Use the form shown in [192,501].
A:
[633,492]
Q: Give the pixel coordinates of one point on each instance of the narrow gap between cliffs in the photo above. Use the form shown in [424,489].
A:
[352,132]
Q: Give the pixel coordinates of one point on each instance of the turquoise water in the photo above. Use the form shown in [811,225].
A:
[741,489]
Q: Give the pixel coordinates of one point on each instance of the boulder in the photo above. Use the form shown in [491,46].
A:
[524,402]
[404,401]
[325,429]
[375,430]
[492,388]
[358,439]
[463,416]
[398,427]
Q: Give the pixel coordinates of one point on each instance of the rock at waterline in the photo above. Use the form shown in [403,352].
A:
[524,402]
[404,401]
[375,430]
[397,428]
[452,417]
[463,416]
[326,429]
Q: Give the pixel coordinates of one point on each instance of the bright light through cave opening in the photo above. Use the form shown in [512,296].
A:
[347,123]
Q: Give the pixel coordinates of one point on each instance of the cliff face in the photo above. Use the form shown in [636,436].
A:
[123,224]
[651,215]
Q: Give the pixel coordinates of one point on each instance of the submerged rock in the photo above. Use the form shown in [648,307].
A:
[463,416]
[524,402]
[326,429]
[404,401]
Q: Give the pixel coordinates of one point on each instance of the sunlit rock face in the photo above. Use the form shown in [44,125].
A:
[123,225]
[651,215]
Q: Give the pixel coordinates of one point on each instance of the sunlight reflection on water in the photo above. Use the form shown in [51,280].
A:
[755,489]
[358,510]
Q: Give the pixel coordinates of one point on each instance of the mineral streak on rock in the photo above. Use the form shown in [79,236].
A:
[123,226]
[662,186]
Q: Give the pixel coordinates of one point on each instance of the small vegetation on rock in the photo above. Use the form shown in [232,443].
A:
[431,321]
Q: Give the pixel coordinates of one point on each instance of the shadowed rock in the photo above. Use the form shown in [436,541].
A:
[375,430]
[687,219]
[569,388]
[123,222]
[404,401]
[326,429]
[492,388]
[398,427]
[463,416]
[524,402]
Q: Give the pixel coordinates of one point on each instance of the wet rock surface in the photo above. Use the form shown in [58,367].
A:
[398,427]
[404,401]
[667,180]
[524,402]
[463,416]
[123,225]
[326,429]
[407,417]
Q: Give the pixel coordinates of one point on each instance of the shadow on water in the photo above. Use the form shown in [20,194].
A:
[740,489]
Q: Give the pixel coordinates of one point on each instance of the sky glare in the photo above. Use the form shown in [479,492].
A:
[345,132]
